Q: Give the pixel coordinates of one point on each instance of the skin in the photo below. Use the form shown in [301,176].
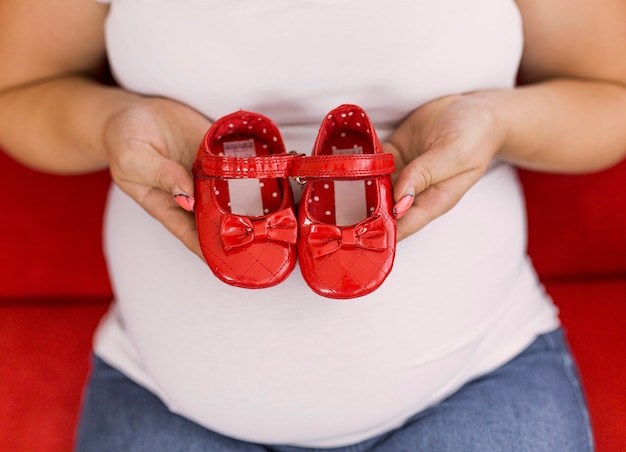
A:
[570,115]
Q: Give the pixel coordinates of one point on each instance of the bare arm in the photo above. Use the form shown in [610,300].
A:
[54,116]
[51,111]
[571,115]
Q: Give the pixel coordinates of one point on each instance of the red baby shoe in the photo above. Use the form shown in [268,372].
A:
[244,204]
[347,230]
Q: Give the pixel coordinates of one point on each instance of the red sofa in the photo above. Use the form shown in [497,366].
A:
[54,288]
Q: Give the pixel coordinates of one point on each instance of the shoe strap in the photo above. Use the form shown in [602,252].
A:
[224,167]
[347,166]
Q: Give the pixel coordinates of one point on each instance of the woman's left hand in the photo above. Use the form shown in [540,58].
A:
[441,149]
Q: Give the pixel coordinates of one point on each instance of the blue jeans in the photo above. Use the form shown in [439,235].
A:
[533,403]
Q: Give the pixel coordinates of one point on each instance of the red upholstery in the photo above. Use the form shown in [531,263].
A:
[577,224]
[577,240]
[54,288]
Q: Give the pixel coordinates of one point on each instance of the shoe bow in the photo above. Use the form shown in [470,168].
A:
[279,226]
[369,234]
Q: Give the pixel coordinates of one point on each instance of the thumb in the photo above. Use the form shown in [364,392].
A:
[443,160]
[143,167]
[172,178]
[413,179]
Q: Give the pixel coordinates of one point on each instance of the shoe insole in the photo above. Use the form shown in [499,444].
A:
[249,197]
[344,202]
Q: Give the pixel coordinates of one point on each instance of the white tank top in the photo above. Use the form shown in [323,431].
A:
[283,365]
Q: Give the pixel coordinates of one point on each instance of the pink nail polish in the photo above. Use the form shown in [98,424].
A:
[403,205]
[185,201]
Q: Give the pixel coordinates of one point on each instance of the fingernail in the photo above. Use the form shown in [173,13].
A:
[185,201]
[403,205]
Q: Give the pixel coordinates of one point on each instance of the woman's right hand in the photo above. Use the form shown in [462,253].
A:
[151,146]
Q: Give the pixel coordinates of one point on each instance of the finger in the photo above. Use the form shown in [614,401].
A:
[143,165]
[439,163]
[433,202]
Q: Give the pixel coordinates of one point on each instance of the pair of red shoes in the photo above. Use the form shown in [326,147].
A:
[345,232]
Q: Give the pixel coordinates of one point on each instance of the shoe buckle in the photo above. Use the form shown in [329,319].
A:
[298,179]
